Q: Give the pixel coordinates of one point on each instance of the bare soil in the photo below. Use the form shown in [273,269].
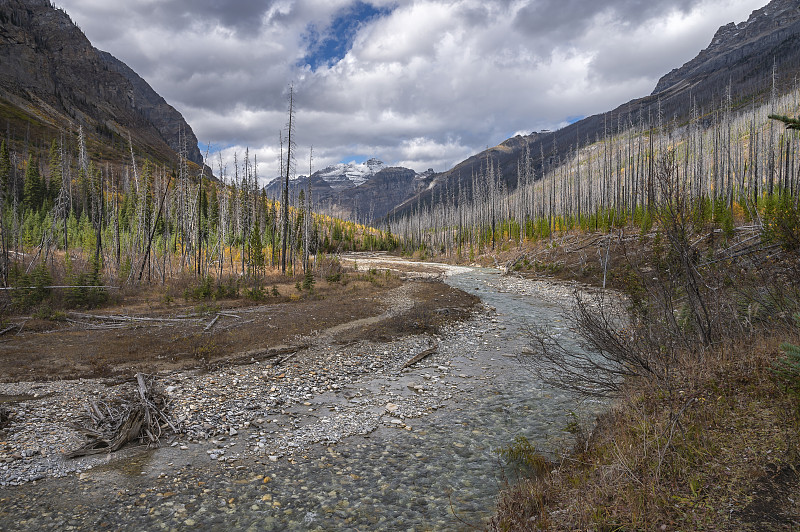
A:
[152,331]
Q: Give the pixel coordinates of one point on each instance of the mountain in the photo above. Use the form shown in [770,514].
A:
[373,199]
[53,77]
[364,192]
[744,54]
[330,180]
[737,66]
[344,176]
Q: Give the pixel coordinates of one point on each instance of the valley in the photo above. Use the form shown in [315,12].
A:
[591,325]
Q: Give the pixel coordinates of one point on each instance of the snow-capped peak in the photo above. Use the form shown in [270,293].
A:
[347,175]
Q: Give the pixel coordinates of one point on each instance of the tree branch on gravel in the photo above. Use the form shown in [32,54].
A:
[142,416]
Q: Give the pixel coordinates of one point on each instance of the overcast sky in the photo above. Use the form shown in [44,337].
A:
[416,83]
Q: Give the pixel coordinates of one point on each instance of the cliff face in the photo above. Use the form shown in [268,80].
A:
[51,68]
[740,51]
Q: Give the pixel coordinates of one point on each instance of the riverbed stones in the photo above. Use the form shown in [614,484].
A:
[316,457]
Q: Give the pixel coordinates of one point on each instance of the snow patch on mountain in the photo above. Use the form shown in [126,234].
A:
[348,175]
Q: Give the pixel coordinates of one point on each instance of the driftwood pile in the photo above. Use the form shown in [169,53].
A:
[143,416]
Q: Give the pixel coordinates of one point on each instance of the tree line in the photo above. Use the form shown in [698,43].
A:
[143,221]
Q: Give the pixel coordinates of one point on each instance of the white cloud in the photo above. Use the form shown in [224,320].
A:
[425,86]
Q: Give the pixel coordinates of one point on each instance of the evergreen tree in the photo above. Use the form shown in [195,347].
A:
[256,249]
[32,190]
[5,169]
[791,123]
[213,206]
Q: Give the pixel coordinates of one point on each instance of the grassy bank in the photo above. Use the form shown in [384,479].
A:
[718,453]
[699,367]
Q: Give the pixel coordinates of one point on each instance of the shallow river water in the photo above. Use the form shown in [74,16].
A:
[436,472]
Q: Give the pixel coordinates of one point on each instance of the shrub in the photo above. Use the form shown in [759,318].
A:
[82,296]
[678,302]
[256,293]
[308,280]
[787,368]
[522,456]
[124,270]
[782,222]
[227,290]
[199,292]
[31,287]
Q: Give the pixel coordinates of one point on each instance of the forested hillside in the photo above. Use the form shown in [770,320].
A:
[743,66]
[733,165]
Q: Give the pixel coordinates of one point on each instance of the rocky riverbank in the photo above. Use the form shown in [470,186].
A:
[324,430]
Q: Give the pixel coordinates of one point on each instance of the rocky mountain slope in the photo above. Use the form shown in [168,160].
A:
[52,74]
[738,63]
[365,192]
[743,53]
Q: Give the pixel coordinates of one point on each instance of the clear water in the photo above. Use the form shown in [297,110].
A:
[444,474]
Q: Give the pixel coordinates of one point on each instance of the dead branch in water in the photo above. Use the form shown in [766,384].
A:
[143,416]
[6,416]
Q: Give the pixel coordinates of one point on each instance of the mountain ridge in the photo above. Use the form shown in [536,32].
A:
[738,63]
[360,191]
[53,72]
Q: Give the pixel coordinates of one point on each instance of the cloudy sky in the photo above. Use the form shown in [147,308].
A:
[416,83]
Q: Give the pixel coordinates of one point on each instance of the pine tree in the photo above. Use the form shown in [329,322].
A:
[32,190]
[791,123]
[256,249]
[213,206]
[5,169]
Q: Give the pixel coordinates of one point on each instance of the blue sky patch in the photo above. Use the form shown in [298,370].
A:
[357,159]
[328,47]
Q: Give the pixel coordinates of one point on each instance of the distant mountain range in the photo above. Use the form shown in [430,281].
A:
[51,75]
[359,191]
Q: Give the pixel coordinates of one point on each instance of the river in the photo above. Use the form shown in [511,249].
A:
[440,471]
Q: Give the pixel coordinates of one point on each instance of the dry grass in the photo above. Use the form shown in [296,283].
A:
[718,452]
[710,438]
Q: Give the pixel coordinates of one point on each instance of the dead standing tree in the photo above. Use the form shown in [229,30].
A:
[675,305]
[288,170]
